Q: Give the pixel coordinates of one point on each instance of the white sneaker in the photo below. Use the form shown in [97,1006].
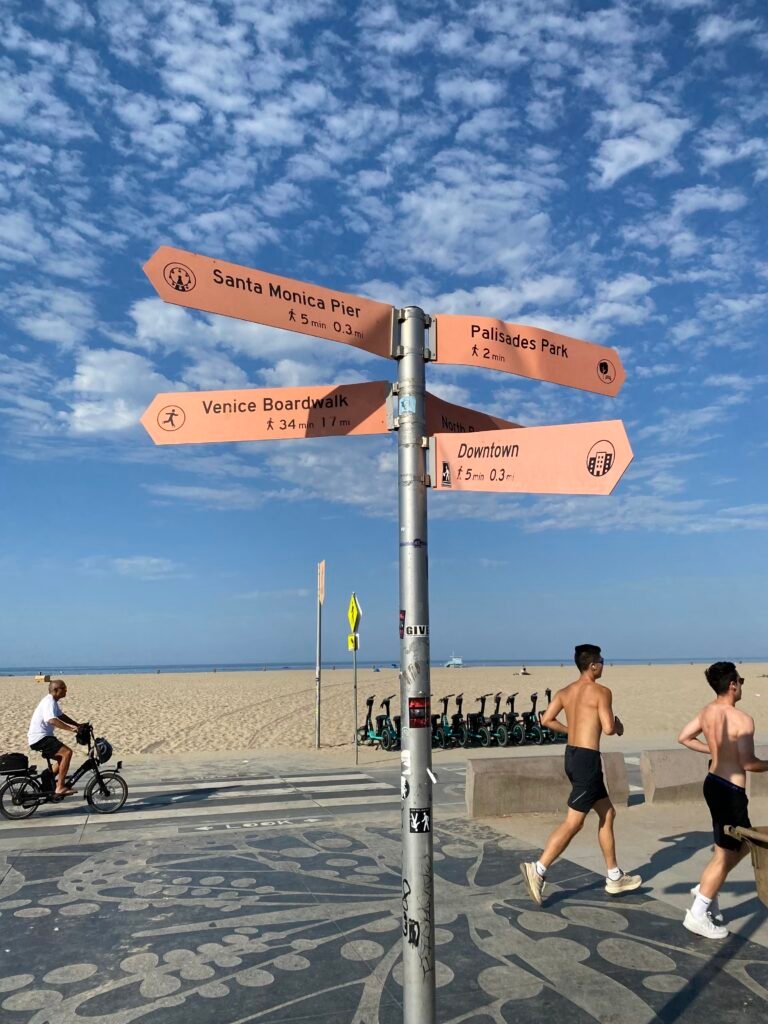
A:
[624,883]
[714,907]
[704,926]
[533,881]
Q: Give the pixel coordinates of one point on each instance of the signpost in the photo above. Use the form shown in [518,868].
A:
[318,658]
[469,450]
[528,352]
[215,286]
[354,614]
[268,414]
[444,417]
[576,458]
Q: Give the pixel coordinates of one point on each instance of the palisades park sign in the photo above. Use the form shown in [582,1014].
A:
[583,458]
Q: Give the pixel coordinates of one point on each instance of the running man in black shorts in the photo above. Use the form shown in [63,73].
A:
[729,738]
[589,713]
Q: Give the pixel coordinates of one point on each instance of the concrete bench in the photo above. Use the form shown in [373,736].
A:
[677,775]
[497,786]
[673,776]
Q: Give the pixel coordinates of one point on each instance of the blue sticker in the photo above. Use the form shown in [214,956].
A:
[407,404]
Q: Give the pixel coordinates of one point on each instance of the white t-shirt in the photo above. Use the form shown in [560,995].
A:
[40,726]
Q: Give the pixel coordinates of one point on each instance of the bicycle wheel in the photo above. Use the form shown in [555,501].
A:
[107,794]
[502,736]
[19,798]
[517,735]
[485,736]
[536,735]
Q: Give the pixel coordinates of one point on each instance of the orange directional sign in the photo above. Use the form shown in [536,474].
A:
[445,418]
[528,352]
[268,414]
[199,282]
[575,458]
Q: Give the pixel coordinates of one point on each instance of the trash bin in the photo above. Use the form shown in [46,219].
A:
[757,841]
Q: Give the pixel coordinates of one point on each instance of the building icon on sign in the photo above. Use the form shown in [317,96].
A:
[601,457]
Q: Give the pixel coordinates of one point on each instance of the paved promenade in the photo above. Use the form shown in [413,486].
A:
[297,920]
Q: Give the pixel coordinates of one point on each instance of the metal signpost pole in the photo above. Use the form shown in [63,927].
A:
[416,757]
[354,692]
[318,671]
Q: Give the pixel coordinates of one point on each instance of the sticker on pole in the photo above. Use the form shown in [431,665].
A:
[420,819]
[418,712]
[215,286]
[528,352]
[268,414]
[575,458]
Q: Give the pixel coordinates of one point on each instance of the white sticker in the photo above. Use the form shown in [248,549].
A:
[417,630]
[405,762]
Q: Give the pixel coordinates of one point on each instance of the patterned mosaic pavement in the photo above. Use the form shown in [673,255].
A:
[304,925]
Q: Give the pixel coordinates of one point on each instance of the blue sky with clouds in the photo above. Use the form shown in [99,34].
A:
[600,169]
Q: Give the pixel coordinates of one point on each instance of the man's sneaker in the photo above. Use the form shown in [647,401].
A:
[704,926]
[533,881]
[714,907]
[624,883]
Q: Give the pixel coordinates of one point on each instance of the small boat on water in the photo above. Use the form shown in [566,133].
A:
[454,662]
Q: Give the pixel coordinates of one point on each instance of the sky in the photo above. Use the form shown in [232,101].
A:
[597,169]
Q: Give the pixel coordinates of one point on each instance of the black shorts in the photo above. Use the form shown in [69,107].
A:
[48,746]
[728,805]
[585,772]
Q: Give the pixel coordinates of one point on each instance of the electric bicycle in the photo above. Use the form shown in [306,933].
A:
[25,790]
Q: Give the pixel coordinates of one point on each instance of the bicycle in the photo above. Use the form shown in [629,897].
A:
[25,790]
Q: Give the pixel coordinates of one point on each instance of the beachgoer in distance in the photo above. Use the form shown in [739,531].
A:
[729,739]
[48,716]
[589,713]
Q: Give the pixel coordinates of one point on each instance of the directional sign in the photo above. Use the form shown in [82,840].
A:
[575,458]
[354,613]
[528,352]
[321,582]
[445,418]
[268,414]
[199,282]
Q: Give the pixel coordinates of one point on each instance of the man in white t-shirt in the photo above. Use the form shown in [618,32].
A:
[47,717]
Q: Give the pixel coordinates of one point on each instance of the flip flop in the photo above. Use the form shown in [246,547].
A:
[63,793]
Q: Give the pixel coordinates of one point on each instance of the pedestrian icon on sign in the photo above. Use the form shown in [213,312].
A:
[446,474]
[171,417]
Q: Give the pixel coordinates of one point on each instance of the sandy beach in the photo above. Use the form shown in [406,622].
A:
[162,714]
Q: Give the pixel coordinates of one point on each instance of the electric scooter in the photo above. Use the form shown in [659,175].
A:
[475,720]
[386,732]
[531,726]
[442,730]
[497,725]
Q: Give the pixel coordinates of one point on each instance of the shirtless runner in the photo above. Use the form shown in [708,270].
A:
[729,738]
[589,713]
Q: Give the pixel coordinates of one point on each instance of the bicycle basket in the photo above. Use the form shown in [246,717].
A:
[10,763]
[83,734]
[103,749]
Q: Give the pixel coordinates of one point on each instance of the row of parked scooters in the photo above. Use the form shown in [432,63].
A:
[505,728]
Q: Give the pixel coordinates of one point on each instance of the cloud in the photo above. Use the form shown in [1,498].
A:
[139,567]
[715,29]
[639,133]
[111,390]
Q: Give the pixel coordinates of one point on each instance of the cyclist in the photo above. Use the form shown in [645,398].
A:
[48,716]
